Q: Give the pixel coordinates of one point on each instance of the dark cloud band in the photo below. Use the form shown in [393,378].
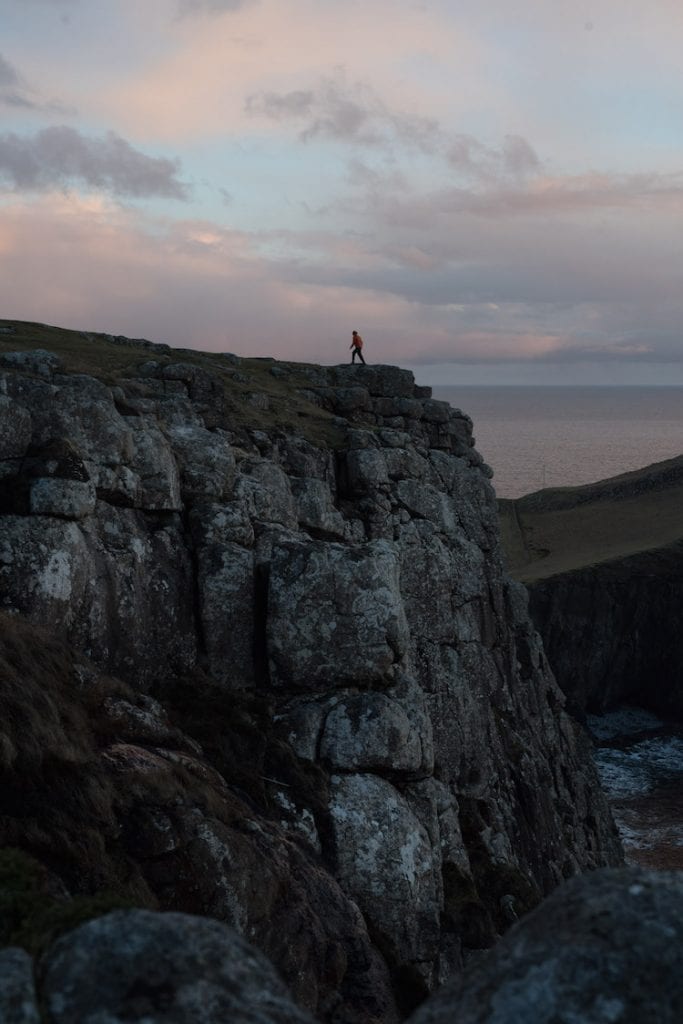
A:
[60,156]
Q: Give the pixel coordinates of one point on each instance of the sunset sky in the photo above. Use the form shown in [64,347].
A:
[490,191]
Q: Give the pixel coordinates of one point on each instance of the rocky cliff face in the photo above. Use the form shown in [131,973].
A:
[604,566]
[611,631]
[336,728]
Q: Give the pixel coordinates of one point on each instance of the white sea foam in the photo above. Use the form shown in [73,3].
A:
[625,721]
[641,767]
[640,762]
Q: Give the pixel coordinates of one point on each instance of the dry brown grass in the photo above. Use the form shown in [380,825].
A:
[560,530]
[112,362]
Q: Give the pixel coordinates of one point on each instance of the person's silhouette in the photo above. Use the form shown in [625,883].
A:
[357,346]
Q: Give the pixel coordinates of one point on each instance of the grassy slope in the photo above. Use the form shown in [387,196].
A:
[111,361]
[558,530]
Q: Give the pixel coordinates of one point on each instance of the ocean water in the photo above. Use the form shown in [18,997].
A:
[536,437]
[639,759]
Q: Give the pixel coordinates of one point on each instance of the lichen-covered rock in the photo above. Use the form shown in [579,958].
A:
[100,581]
[315,509]
[372,722]
[267,493]
[207,465]
[604,948]
[128,458]
[18,1003]
[335,615]
[135,966]
[386,732]
[366,470]
[67,499]
[15,428]
[387,863]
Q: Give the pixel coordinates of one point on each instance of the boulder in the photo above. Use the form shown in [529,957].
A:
[37,360]
[140,967]
[606,948]
[18,1003]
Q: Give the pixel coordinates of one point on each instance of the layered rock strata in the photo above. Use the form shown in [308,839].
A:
[430,787]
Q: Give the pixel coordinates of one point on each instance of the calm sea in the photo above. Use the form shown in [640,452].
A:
[537,437]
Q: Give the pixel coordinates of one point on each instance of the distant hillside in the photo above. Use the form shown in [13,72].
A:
[604,567]
[559,530]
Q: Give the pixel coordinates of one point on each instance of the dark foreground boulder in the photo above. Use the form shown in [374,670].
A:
[137,965]
[604,948]
[18,1004]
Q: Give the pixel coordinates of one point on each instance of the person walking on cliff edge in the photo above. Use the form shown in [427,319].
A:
[357,346]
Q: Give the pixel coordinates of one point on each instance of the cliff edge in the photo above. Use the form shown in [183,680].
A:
[262,663]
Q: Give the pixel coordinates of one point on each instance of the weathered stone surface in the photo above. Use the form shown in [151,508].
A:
[366,471]
[335,615]
[44,569]
[18,1003]
[382,381]
[315,508]
[349,400]
[15,428]
[304,610]
[266,491]
[207,466]
[603,948]
[221,524]
[137,966]
[37,360]
[227,594]
[103,581]
[387,733]
[128,458]
[612,632]
[67,499]
[386,861]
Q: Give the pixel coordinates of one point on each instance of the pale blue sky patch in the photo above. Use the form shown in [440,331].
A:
[499,186]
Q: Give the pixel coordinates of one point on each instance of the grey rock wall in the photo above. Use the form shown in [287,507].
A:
[359,590]
[612,632]
[602,949]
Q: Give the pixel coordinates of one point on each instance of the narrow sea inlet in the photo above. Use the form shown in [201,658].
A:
[640,762]
[538,437]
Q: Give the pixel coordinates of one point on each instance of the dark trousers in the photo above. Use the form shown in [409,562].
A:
[357,352]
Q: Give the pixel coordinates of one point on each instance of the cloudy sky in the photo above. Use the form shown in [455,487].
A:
[490,191]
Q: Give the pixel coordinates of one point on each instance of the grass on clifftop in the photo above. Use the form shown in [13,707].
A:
[113,361]
[562,529]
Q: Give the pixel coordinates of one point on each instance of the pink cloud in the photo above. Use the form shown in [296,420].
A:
[270,48]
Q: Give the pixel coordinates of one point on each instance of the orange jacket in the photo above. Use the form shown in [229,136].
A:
[357,341]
